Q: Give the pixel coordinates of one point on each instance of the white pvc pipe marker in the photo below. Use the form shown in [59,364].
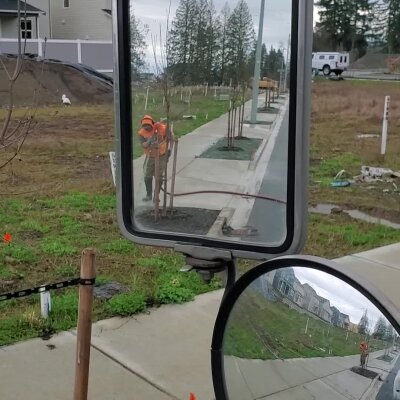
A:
[385,125]
[45,304]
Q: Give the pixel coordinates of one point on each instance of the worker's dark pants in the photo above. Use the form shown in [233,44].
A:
[149,169]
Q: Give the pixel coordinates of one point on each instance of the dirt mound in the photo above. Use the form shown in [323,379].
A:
[373,60]
[51,80]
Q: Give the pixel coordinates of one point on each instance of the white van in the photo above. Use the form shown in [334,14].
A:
[330,62]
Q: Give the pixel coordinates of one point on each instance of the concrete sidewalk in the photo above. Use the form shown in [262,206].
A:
[204,174]
[161,355]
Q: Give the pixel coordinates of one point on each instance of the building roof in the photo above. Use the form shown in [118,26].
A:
[10,7]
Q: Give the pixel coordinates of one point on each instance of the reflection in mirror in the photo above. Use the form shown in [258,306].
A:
[299,333]
[210,144]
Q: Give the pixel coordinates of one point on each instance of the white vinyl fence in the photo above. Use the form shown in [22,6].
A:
[93,53]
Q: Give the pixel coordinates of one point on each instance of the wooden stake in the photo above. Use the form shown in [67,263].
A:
[84,330]
[171,199]
[157,186]
[241,126]
[229,129]
[234,123]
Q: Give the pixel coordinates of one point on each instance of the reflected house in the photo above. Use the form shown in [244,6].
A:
[311,299]
[286,283]
[336,317]
[325,311]
[263,285]
[353,328]
[346,321]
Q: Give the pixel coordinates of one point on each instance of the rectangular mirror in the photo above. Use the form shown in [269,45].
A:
[212,103]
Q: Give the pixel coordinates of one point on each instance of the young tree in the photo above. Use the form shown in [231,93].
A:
[138,45]
[363,325]
[13,133]
[380,329]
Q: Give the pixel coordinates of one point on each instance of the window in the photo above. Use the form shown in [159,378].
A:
[331,57]
[322,57]
[66,3]
[26,29]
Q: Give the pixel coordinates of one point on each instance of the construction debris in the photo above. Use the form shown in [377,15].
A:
[367,136]
[376,174]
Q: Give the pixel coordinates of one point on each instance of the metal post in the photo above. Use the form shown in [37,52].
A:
[171,199]
[147,99]
[243,105]
[257,67]
[286,66]
[305,330]
[385,125]
[234,123]
[79,48]
[229,129]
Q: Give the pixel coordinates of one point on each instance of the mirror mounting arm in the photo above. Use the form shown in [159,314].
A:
[208,261]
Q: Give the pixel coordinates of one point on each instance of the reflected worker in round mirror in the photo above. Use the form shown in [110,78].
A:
[299,333]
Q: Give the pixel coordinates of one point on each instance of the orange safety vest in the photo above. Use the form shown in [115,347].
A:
[160,130]
[364,347]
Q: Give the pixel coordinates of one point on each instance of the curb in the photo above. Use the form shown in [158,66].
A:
[228,213]
[371,389]
[224,216]
[253,164]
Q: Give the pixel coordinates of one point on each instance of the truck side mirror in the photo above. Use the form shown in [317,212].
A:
[210,155]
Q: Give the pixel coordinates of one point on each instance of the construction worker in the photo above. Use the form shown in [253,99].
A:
[364,353]
[154,139]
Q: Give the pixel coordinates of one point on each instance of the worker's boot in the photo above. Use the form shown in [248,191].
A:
[149,189]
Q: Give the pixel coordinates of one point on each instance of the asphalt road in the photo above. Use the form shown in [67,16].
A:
[386,390]
[269,218]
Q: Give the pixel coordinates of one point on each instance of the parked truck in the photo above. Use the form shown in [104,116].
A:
[330,62]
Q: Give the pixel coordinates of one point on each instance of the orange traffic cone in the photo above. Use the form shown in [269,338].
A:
[192,396]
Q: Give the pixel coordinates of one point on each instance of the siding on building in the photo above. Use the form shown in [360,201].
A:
[84,19]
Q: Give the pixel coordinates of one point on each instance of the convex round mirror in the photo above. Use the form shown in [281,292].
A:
[300,329]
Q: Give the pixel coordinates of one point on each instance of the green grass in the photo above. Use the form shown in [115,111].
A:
[333,236]
[57,247]
[328,168]
[127,304]
[205,108]
[68,223]
[260,329]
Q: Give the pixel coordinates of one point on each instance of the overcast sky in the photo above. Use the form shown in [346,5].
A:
[341,295]
[277,22]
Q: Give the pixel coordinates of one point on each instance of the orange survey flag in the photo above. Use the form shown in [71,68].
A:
[7,237]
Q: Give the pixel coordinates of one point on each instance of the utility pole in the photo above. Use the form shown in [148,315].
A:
[286,66]
[257,66]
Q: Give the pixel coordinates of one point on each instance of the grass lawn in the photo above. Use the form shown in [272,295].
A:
[57,198]
[340,112]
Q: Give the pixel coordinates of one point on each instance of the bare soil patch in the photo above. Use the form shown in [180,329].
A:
[50,81]
[196,221]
